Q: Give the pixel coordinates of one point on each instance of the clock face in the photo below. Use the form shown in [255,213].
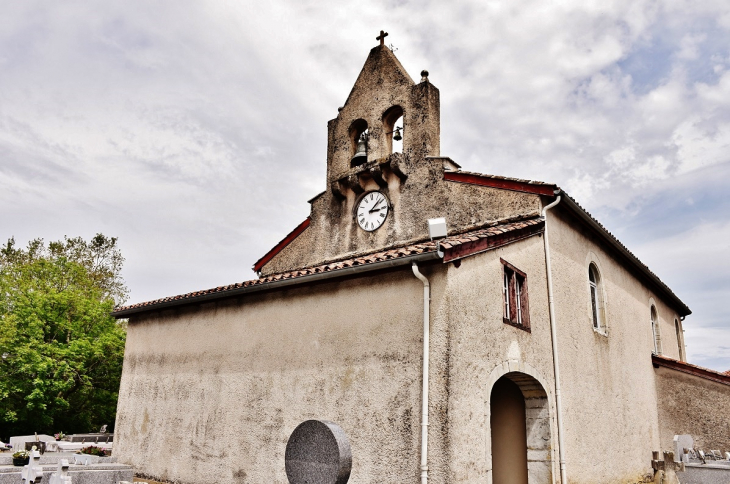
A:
[372,211]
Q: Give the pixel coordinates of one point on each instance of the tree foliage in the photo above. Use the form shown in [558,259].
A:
[61,349]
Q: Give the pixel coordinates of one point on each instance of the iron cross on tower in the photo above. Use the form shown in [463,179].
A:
[382,37]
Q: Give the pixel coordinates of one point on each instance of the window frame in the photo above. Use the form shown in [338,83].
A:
[655,330]
[680,338]
[597,300]
[515,297]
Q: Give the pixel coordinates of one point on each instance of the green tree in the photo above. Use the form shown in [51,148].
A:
[61,349]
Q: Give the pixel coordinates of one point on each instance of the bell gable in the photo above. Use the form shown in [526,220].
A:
[375,198]
[383,92]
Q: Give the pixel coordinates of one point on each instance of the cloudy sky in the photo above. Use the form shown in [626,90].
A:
[195,132]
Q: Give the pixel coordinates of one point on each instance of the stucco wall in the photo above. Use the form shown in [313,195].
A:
[218,390]
[609,395]
[695,406]
[480,342]
[333,232]
[222,385]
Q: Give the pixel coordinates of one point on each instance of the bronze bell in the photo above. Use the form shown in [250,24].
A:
[361,153]
[396,134]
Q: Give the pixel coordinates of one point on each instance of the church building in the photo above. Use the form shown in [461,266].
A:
[458,327]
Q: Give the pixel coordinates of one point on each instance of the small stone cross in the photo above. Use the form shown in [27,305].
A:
[382,37]
[32,472]
[61,475]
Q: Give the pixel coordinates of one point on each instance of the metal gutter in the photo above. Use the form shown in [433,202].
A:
[424,379]
[294,281]
[683,309]
[554,340]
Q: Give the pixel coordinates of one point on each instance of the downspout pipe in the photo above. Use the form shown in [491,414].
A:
[554,336]
[424,397]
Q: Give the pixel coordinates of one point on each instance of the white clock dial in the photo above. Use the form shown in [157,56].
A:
[372,210]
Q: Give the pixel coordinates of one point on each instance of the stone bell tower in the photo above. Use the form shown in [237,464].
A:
[382,94]
[379,198]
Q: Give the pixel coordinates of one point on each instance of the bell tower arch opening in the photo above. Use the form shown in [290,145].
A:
[358,134]
[394,129]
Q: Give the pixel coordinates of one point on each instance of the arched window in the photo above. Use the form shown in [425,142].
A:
[597,306]
[680,346]
[393,129]
[655,332]
[358,142]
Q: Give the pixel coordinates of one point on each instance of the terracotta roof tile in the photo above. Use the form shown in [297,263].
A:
[683,366]
[449,242]
[474,178]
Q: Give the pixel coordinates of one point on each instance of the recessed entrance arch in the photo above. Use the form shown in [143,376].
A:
[520,432]
[509,433]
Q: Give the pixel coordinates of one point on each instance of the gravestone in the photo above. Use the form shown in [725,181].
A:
[318,452]
[38,444]
[85,459]
[682,442]
[33,472]
[61,475]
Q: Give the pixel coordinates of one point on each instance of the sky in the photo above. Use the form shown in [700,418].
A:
[195,132]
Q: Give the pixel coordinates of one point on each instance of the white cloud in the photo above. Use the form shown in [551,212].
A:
[197,131]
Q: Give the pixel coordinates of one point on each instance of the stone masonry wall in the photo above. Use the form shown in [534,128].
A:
[695,406]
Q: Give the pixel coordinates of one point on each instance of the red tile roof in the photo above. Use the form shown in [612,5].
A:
[548,189]
[503,182]
[684,367]
[577,208]
[461,244]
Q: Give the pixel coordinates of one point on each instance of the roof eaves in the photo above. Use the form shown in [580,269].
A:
[277,281]
[476,242]
[586,217]
[684,367]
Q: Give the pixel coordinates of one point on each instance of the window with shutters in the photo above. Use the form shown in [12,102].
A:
[514,294]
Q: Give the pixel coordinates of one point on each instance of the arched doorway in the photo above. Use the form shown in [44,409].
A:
[509,434]
[520,431]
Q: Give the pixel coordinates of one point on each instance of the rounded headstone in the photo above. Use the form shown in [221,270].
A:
[318,452]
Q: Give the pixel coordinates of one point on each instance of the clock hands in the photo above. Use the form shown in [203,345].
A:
[375,208]
[372,210]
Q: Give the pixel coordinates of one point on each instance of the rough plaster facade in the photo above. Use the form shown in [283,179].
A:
[219,386]
[607,377]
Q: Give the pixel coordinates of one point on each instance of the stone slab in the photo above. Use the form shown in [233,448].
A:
[6,458]
[704,474]
[93,474]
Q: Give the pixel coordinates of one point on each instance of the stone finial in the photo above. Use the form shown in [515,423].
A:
[382,37]
[424,75]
